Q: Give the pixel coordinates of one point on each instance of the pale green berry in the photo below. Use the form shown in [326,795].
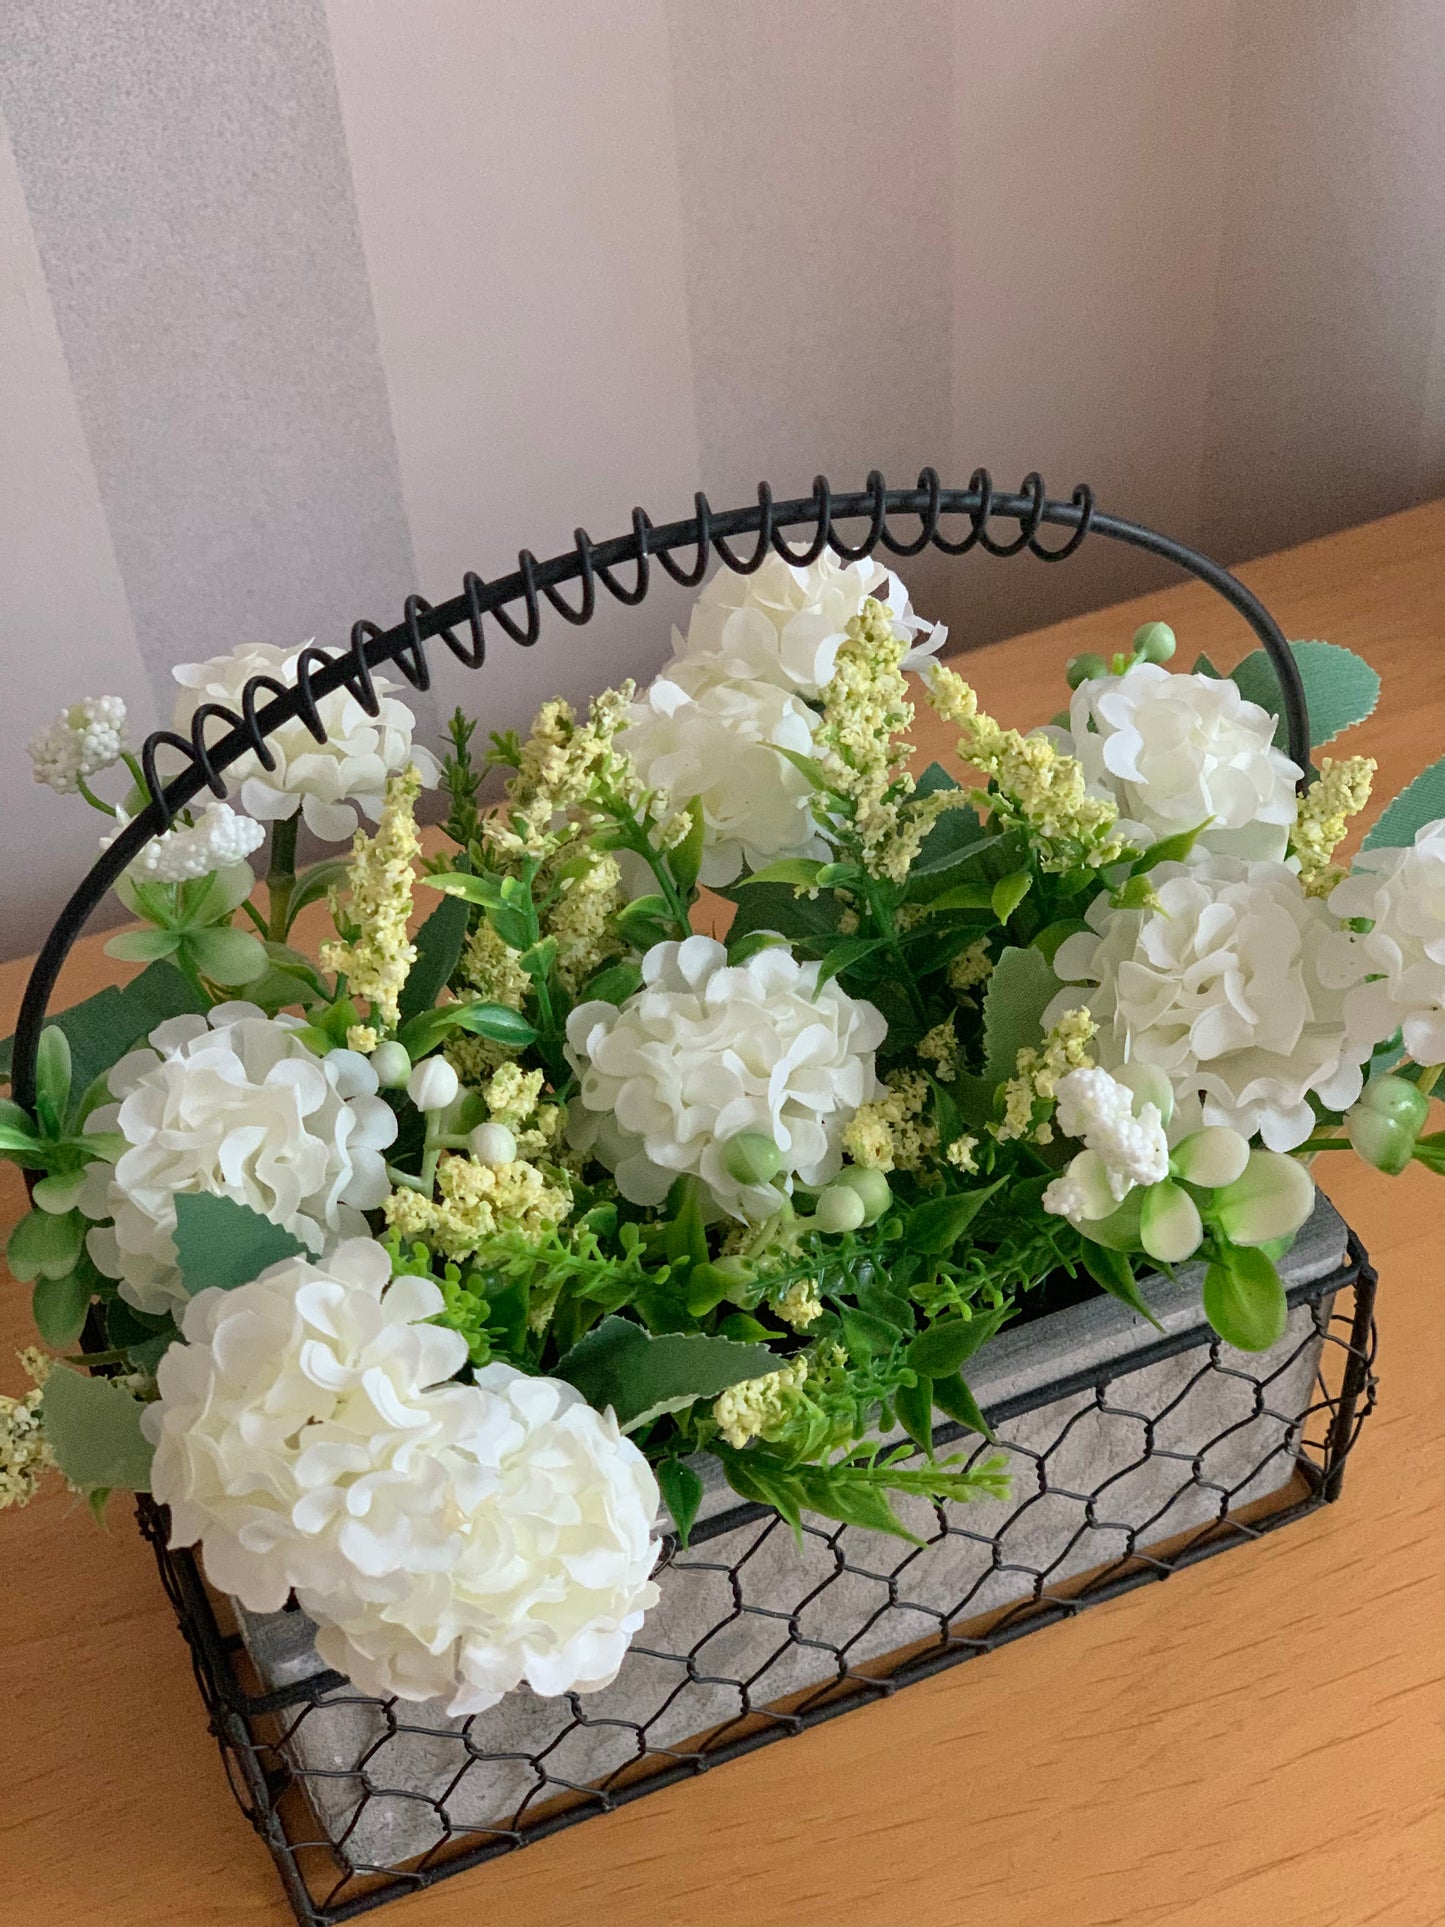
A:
[1084,668]
[392,1063]
[492,1144]
[1154,642]
[751,1158]
[872,1187]
[1384,1124]
[839,1208]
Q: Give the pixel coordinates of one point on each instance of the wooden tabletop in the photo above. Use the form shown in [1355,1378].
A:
[1258,1743]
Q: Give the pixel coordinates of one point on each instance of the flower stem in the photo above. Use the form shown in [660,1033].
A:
[1429,1079]
[281,875]
[95,802]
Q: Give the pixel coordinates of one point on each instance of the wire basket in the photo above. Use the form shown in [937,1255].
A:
[1133,1455]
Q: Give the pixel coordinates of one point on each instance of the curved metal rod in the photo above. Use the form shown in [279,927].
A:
[534,583]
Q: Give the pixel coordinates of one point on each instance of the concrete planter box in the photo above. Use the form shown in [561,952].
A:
[1118,1440]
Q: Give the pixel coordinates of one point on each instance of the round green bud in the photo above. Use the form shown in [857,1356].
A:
[752,1158]
[839,1208]
[872,1187]
[1082,669]
[1154,642]
[1398,1098]
[392,1065]
[1386,1142]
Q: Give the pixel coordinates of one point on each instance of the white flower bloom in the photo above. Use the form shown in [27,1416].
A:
[235,1105]
[1128,1142]
[322,780]
[1396,971]
[1225,989]
[705,1050]
[83,740]
[783,624]
[697,732]
[450,1540]
[218,841]
[1174,749]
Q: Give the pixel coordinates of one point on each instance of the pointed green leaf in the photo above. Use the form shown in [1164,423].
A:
[936,1225]
[947,1346]
[637,1373]
[799,871]
[1112,1270]
[1421,803]
[954,1396]
[438,948]
[1020,988]
[1009,892]
[1244,1299]
[914,1408]
[682,1493]
[93,1426]
[220,1242]
[59,1306]
[612,986]
[1340,687]
[686,860]
[1171,849]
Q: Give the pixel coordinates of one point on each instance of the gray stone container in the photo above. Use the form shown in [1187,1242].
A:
[1117,1440]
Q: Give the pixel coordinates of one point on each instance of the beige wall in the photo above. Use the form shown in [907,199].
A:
[307,303]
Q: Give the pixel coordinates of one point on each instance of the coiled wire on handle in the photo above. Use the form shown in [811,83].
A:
[267,704]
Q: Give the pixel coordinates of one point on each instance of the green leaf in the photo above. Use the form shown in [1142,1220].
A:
[1020,989]
[438,948]
[856,1502]
[754,941]
[143,946]
[93,1426]
[1340,687]
[843,956]
[483,889]
[953,1396]
[964,896]
[936,1225]
[641,1375]
[226,956]
[801,872]
[499,1022]
[104,1027]
[933,779]
[643,922]
[1112,1270]
[1421,803]
[1244,1299]
[682,1492]
[914,1408]
[867,1336]
[223,1243]
[817,776]
[1171,849]
[514,927]
[763,1482]
[612,986]
[1204,667]
[947,1346]
[686,860]
[314,883]
[59,1306]
[53,1070]
[45,1245]
[1009,892]
[773,906]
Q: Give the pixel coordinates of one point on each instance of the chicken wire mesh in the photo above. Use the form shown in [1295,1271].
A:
[1124,1470]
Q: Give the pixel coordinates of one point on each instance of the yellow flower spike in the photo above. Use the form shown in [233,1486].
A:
[1323,817]
[377,960]
[1065,1048]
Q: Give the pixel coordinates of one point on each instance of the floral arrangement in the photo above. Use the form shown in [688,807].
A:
[417,1273]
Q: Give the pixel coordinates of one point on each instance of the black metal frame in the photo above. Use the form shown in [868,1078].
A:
[253,1728]
[245,1722]
[266,703]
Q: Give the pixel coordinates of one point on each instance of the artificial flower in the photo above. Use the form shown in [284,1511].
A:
[451,1541]
[1395,971]
[699,733]
[706,1050]
[784,624]
[1225,988]
[1176,751]
[83,740]
[327,781]
[233,1104]
[218,840]
[1322,819]
[377,958]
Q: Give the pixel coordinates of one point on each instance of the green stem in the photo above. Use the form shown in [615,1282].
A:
[106,809]
[1430,1079]
[255,915]
[138,776]
[1313,1144]
[281,875]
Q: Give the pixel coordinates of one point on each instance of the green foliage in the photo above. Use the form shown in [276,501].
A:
[1244,1298]
[1113,1270]
[438,949]
[93,1426]
[1421,802]
[855,1488]
[222,1243]
[59,1305]
[1340,688]
[103,1028]
[1022,986]
[641,1375]
[682,1494]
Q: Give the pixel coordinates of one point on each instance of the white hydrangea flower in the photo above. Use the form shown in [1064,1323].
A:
[451,1541]
[1174,749]
[784,624]
[1224,988]
[1395,973]
[83,740]
[699,732]
[236,1105]
[705,1050]
[218,841]
[322,780]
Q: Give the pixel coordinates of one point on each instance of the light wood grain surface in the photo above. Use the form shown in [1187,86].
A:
[1258,1743]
